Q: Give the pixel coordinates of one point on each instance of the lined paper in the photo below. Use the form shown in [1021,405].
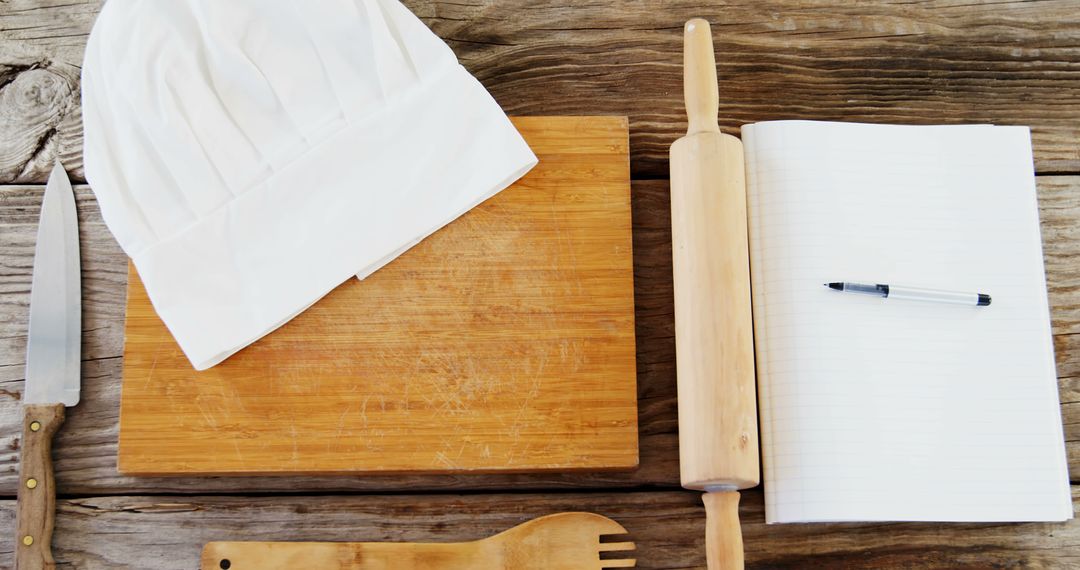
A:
[879,410]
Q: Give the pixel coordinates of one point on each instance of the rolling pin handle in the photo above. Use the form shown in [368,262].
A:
[723,535]
[699,78]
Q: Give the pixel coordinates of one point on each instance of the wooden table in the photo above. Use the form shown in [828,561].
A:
[940,61]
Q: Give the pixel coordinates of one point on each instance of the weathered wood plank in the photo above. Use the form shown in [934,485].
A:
[667,527]
[86,447]
[939,61]
[1059,210]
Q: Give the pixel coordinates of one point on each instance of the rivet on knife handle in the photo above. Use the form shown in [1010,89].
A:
[37,491]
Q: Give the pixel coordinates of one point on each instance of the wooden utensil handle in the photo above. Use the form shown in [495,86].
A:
[338,556]
[723,535]
[699,78]
[36,507]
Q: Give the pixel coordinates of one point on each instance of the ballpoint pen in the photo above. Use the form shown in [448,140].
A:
[912,293]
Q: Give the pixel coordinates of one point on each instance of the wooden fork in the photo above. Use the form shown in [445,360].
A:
[564,541]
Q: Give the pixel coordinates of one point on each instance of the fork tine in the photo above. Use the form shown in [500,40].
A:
[615,546]
[612,533]
[624,563]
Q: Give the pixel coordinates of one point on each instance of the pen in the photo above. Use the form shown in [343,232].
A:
[913,293]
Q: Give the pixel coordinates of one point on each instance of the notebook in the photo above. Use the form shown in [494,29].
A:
[886,410]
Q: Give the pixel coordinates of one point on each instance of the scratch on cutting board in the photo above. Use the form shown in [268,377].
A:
[541,365]
[153,366]
[363,413]
[208,418]
[341,418]
[574,352]
[239,454]
[441,458]
[295,443]
[234,396]
[534,390]
[564,242]
[162,341]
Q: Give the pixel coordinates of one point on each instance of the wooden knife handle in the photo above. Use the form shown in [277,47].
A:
[36,508]
[700,88]
[723,535]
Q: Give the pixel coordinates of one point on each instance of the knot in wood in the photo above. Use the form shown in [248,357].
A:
[37,90]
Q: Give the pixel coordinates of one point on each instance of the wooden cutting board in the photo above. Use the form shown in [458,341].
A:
[503,342]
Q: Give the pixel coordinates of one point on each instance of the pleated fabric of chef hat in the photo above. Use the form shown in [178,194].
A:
[251,155]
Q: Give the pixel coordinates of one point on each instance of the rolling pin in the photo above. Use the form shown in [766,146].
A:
[718,442]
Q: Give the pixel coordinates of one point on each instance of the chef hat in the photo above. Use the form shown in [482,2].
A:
[251,155]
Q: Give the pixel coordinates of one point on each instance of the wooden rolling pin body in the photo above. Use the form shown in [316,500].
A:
[718,442]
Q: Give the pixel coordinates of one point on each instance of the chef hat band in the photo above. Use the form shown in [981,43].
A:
[252,155]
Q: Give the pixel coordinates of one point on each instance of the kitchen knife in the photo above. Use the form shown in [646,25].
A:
[52,367]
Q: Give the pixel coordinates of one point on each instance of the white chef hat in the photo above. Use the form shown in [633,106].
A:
[251,155]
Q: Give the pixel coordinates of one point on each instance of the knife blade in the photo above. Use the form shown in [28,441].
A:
[53,356]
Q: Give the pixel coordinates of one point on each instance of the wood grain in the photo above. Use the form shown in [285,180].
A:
[561,541]
[668,529]
[85,456]
[937,61]
[503,342]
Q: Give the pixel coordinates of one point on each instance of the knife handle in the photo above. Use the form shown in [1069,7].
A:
[36,507]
